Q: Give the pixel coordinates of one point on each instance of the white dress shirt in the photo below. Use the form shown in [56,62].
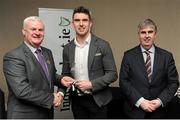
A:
[81,60]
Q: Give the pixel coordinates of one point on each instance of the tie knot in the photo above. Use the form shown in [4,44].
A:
[38,50]
[147,52]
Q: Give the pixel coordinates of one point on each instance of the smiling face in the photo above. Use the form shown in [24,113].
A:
[82,24]
[147,36]
[33,32]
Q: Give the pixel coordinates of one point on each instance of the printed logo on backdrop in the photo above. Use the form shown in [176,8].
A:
[66,34]
[58,32]
[64,21]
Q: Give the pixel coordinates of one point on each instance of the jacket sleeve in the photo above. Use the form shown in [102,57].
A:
[172,81]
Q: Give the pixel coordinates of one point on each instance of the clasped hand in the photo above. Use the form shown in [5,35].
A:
[57,99]
[150,105]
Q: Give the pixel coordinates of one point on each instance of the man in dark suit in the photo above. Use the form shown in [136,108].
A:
[30,84]
[148,76]
[89,64]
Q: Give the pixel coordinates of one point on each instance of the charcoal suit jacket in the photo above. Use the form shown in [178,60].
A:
[101,67]
[30,91]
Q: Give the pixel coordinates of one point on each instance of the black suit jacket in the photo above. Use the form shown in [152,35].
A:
[101,67]
[134,80]
[30,91]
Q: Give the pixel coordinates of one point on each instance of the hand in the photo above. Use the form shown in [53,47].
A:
[83,84]
[67,81]
[156,103]
[147,106]
[57,99]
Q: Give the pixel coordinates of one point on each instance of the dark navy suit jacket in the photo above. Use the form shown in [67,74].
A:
[134,80]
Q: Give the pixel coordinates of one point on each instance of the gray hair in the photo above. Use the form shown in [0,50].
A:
[145,23]
[31,18]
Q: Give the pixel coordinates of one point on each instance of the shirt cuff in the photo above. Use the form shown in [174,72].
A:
[138,103]
[61,93]
[160,102]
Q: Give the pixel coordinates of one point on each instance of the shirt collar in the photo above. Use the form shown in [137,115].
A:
[87,41]
[30,47]
[151,50]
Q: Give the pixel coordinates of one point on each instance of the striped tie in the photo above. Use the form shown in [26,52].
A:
[148,65]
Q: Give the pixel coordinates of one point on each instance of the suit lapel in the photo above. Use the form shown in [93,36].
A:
[30,56]
[92,51]
[91,54]
[157,62]
[48,63]
[72,54]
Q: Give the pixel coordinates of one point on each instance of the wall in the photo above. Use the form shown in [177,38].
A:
[114,20]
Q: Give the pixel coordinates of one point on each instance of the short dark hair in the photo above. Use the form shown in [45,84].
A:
[82,9]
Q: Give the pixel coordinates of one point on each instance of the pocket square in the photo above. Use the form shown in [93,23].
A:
[97,54]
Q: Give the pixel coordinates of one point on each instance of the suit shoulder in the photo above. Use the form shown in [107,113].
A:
[15,51]
[163,51]
[132,50]
[99,40]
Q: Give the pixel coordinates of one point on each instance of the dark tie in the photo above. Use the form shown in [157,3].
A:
[148,65]
[42,62]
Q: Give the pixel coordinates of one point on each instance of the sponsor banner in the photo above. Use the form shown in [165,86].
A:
[58,31]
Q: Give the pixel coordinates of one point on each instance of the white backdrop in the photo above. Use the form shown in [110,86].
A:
[58,32]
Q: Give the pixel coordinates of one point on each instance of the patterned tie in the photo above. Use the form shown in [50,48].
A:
[42,62]
[148,65]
